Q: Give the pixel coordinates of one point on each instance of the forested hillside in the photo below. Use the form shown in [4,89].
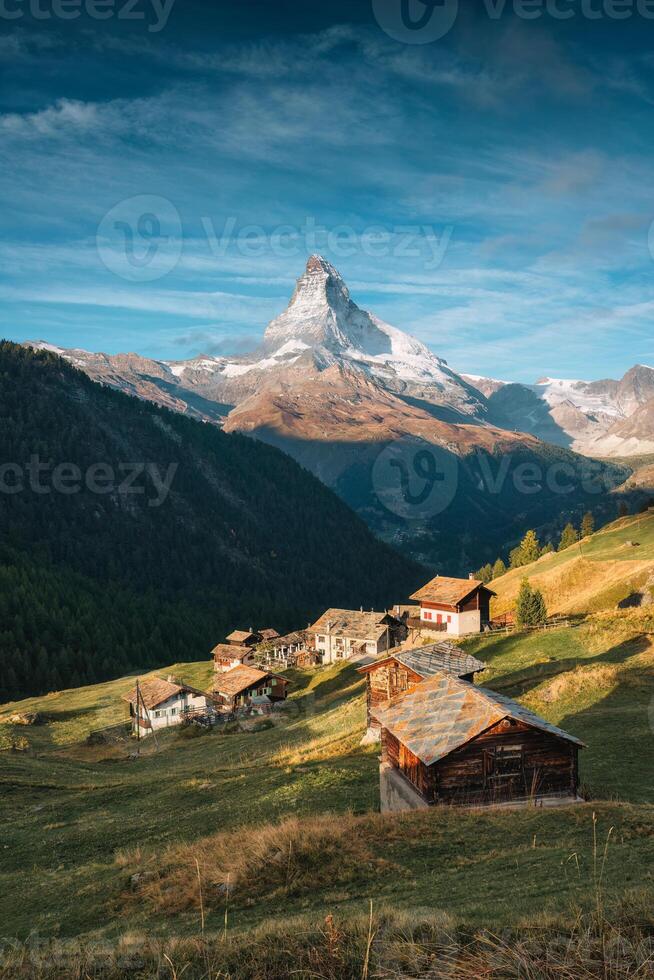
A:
[132,536]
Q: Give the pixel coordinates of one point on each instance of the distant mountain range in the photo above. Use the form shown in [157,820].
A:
[324,337]
[336,388]
[596,418]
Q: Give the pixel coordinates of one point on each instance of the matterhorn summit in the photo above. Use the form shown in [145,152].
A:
[321,318]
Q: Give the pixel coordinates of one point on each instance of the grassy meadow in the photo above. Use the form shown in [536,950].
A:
[267,833]
[81,820]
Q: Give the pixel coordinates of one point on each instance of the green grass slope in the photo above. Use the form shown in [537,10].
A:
[593,575]
[80,820]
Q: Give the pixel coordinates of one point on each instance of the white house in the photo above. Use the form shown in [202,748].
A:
[343,633]
[162,704]
[458,606]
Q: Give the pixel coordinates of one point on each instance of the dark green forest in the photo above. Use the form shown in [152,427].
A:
[102,571]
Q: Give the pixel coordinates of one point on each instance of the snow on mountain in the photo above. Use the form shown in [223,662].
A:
[323,329]
[582,415]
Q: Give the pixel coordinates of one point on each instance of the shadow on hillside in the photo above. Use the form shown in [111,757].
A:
[519,683]
[342,683]
[619,733]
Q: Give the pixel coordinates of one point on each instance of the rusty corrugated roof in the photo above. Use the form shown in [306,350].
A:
[444,713]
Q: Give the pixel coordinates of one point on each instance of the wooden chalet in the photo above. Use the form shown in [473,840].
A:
[244,638]
[268,635]
[450,742]
[401,671]
[458,606]
[243,686]
[226,656]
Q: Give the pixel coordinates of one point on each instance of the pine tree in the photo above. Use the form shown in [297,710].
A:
[515,558]
[623,510]
[499,569]
[530,607]
[568,537]
[524,607]
[530,548]
[485,574]
[587,525]
[540,609]
[547,549]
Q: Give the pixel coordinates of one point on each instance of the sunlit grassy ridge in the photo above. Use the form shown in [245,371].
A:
[595,574]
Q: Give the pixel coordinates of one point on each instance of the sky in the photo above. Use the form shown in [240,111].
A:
[481,174]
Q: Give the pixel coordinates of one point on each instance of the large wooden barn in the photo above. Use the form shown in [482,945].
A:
[394,675]
[450,742]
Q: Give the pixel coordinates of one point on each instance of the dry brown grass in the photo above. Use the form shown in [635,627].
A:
[604,678]
[386,945]
[572,587]
[290,858]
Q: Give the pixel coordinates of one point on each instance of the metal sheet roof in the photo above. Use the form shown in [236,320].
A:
[444,713]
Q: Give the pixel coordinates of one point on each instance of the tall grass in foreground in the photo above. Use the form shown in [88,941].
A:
[386,945]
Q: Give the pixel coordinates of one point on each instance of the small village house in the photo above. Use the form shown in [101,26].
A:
[241,648]
[164,703]
[343,633]
[458,606]
[226,656]
[268,635]
[244,638]
[244,686]
[450,742]
[401,671]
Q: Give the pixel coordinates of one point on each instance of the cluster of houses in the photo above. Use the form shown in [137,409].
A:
[444,739]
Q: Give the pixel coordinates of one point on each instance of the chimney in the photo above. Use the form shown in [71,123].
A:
[471,575]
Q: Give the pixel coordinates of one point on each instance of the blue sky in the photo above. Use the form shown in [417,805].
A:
[490,192]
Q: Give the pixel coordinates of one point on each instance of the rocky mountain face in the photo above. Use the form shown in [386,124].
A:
[596,418]
[362,404]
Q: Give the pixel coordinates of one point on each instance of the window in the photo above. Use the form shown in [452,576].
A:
[174,711]
[428,615]
[449,619]
[321,639]
[158,714]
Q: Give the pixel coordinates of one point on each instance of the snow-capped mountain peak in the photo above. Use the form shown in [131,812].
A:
[323,318]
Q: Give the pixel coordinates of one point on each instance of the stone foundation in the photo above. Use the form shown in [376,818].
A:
[396,793]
